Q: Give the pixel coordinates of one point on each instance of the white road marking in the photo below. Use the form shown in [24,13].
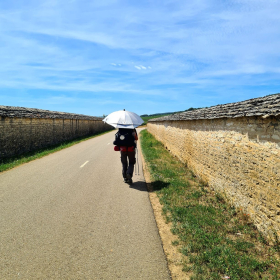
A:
[84,164]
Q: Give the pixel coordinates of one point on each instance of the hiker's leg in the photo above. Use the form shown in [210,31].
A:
[132,160]
[124,163]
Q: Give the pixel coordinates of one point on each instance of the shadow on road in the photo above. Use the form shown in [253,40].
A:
[149,187]
[139,185]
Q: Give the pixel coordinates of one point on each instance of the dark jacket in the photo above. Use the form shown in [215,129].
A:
[126,137]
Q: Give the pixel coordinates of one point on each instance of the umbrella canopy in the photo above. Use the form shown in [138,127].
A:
[123,119]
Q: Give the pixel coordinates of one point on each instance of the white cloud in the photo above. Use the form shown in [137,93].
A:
[141,67]
[228,33]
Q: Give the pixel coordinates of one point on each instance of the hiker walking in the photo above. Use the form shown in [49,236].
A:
[125,139]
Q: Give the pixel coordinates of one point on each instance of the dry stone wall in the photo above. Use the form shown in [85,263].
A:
[23,129]
[238,155]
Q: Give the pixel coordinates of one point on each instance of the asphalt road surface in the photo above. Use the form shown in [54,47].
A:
[70,216]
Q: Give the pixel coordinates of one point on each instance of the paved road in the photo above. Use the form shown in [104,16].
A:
[70,216]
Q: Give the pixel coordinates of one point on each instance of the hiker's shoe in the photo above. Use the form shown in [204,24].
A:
[125,180]
[129,178]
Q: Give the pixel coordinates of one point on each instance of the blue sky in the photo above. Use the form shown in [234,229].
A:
[96,57]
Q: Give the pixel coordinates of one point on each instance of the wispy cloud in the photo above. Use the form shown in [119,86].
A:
[141,67]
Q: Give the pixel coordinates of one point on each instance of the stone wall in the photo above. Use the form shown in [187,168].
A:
[239,156]
[23,130]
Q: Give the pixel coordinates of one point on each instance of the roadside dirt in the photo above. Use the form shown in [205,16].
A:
[173,256]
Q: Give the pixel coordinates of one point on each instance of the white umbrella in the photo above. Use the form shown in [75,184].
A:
[123,119]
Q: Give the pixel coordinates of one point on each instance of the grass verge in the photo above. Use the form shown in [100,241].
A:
[10,163]
[216,240]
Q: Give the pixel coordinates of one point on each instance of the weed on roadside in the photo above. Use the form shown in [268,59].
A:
[217,240]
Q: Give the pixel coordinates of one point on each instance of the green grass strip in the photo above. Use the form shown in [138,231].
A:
[215,239]
[12,162]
